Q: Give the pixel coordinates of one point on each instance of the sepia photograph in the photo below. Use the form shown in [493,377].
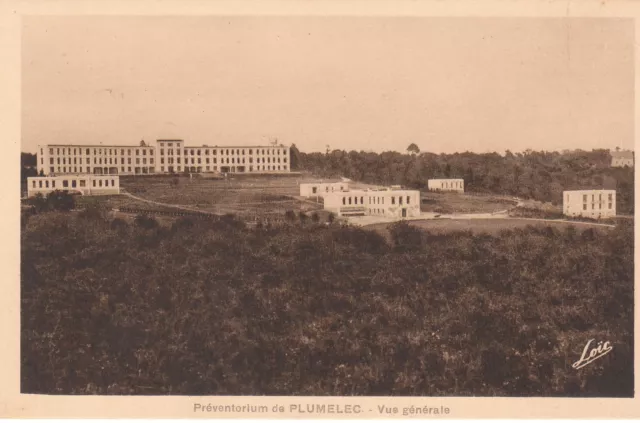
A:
[327,206]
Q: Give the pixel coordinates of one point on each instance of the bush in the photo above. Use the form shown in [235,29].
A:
[145,222]
[213,309]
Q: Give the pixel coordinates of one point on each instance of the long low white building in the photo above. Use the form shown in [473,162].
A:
[82,184]
[393,203]
[595,204]
[446,185]
[322,188]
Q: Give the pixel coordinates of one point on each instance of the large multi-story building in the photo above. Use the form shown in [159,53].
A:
[78,184]
[167,156]
[388,202]
[595,204]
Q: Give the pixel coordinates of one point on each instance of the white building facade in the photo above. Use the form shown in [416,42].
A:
[595,204]
[82,184]
[456,185]
[166,156]
[322,188]
[392,203]
[622,158]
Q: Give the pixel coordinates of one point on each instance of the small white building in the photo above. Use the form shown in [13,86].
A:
[621,158]
[595,204]
[83,184]
[322,188]
[446,185]
[392,203]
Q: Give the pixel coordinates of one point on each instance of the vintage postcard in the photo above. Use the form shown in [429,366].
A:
[335,210]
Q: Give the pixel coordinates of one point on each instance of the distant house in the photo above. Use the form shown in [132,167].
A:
[322,188]
[446,185]
[622,158]
[387,202]
[81,184]
[595,204]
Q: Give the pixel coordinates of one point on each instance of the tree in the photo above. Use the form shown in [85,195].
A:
[61,201]
[296,161]
[413,149]
[290,216]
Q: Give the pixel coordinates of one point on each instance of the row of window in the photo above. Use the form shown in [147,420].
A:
[82,183]
[593,197]
[593,206]
[170,160]
[99,160]
[75,169]
[451,185]
[224,152]
[222,168]
[374,200]
[97,151]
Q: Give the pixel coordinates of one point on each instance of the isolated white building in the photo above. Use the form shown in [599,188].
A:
[594,204]
[82,184]
[393,203]
[446,185]
[166,156]
[621,158]
[322,188]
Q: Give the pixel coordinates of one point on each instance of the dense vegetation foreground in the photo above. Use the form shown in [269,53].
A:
[211,307]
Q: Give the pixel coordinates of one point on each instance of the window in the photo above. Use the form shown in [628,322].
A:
[34,184]
[94,182]
[584,198]
[400,199]
[100,182]
[73,183]
[408,199]
[113,183]
[361,200]
[65,184]
[393,200]
[83,183]
[344,200]
[609,206]
[137,152]
[610,197]
[39,184]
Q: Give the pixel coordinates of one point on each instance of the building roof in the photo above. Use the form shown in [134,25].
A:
[625,154]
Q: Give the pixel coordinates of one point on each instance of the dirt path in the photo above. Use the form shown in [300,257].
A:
[175,206]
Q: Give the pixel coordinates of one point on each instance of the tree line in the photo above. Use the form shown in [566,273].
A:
[538,175]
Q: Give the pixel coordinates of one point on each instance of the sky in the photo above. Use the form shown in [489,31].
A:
[354,83]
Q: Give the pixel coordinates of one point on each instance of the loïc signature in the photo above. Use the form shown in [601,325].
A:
[600,351]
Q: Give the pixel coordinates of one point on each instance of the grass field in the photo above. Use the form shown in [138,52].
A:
[450,202]
[244,195]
